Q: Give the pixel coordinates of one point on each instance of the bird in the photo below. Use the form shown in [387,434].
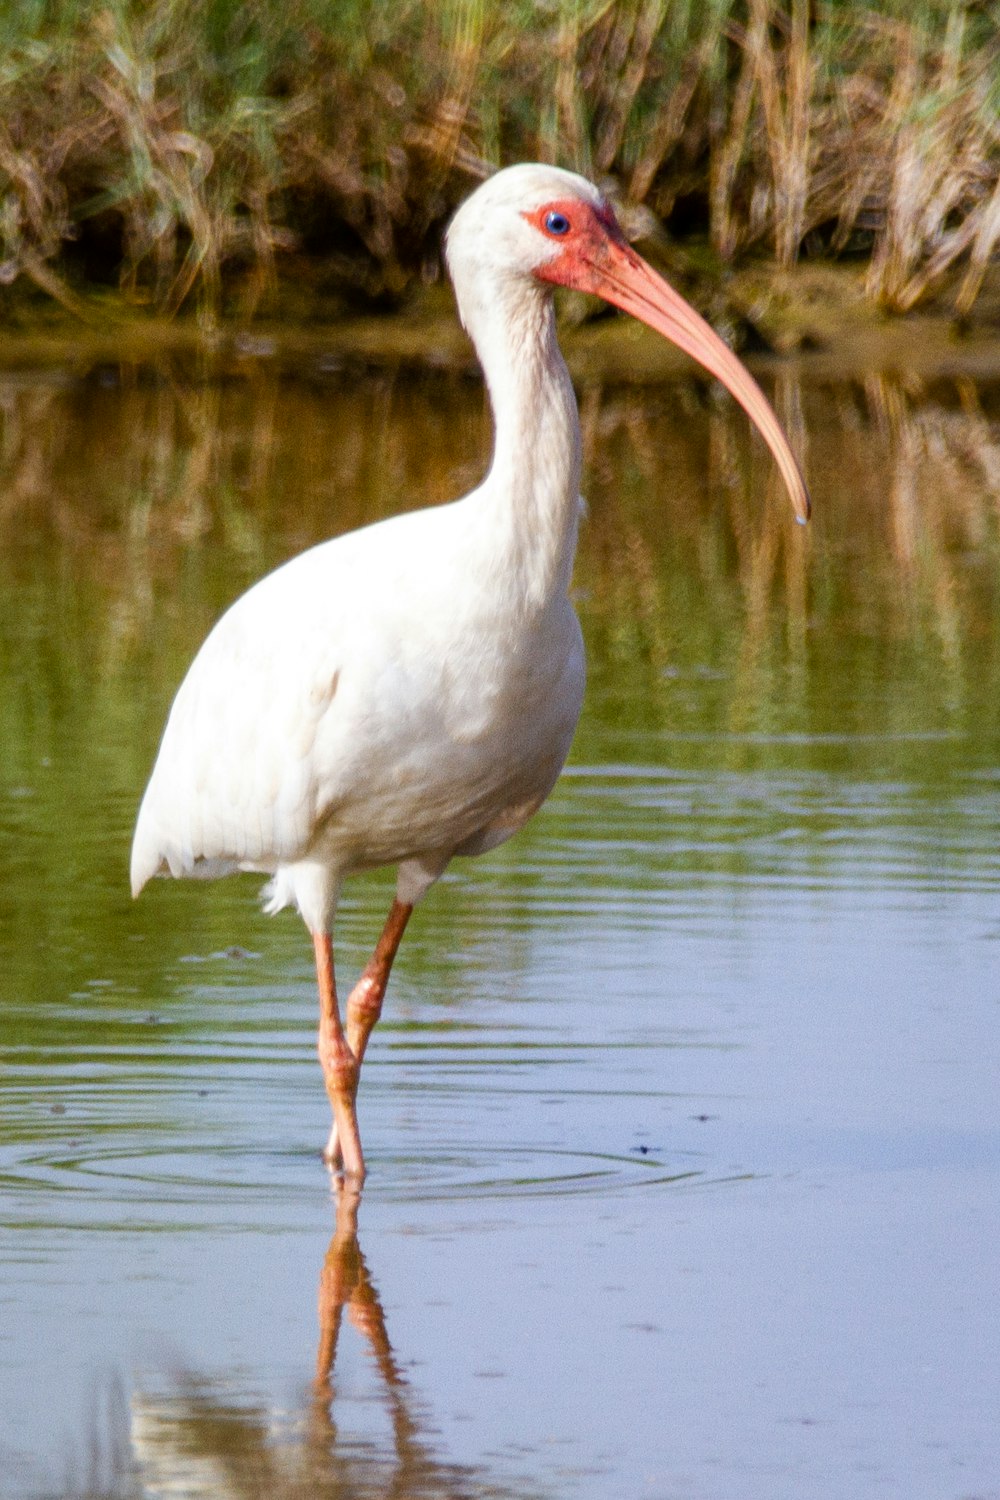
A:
[406,693]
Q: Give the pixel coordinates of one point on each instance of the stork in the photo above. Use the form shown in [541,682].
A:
[408,692]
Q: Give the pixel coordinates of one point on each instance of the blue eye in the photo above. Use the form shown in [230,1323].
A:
[557,223]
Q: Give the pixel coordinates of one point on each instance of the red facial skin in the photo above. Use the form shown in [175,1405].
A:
[594,256]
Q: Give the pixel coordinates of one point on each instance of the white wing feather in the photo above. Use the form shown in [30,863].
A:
[235,780]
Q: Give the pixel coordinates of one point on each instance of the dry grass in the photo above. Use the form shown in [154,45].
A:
[185,150]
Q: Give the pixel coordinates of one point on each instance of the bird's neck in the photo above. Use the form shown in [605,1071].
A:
[533,486]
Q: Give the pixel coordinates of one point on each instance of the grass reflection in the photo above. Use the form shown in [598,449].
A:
[721,638]
[788,733]
[133,512]
[725,621]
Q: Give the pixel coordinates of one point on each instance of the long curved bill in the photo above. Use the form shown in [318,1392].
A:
[608,266]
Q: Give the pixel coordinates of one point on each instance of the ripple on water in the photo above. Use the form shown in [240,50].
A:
[213,1114]
[729,826]
[184,1134]
[84,1184]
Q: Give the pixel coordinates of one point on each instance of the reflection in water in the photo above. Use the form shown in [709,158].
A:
[754,677]
[754,931]
[194,1439]
[879,621]
[131,516]
[722,639]
[345,1284]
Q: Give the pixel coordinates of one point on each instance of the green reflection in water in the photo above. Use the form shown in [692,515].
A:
[769,708]
[747,677]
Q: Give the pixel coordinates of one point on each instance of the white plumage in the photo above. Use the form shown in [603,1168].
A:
[315,734]
[409,692]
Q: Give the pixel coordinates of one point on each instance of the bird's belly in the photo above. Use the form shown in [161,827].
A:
[467,776]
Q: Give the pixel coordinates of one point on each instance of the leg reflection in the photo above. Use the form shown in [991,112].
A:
[345,1283]
[201,1436]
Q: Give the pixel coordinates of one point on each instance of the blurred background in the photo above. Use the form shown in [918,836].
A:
[239,155]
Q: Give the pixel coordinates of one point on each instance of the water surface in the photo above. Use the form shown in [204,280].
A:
[682,1117]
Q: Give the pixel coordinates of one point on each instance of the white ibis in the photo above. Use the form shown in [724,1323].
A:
[408,692]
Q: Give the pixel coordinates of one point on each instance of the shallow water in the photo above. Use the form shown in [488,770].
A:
[682,1119]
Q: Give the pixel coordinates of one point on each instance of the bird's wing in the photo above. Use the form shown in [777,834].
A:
[237,781]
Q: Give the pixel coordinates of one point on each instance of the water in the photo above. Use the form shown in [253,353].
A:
[682,1118]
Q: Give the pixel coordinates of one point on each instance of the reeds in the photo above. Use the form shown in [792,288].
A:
[193,150]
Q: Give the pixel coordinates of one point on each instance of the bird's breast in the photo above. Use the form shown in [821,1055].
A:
[463,737]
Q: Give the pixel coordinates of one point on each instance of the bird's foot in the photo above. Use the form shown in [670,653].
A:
[342,1152]
[341,1072]
[332,1154]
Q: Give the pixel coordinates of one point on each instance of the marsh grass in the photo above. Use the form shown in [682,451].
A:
[197,152]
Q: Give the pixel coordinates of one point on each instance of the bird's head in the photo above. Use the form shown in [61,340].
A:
[540,223]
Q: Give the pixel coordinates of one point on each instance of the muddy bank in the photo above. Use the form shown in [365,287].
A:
[815,318]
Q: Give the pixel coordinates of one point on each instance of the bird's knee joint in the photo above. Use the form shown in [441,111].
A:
[340,1066]
[365,1003]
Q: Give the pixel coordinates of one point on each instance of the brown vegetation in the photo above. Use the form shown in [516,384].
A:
[193,151]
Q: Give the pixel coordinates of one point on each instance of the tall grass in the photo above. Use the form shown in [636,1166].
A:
[189,150]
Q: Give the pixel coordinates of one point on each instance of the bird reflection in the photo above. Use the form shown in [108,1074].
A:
[345,1283]
[197,1438]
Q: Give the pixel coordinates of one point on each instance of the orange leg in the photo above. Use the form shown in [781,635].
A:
[364,1004]
[341,1055]
[340,1066]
